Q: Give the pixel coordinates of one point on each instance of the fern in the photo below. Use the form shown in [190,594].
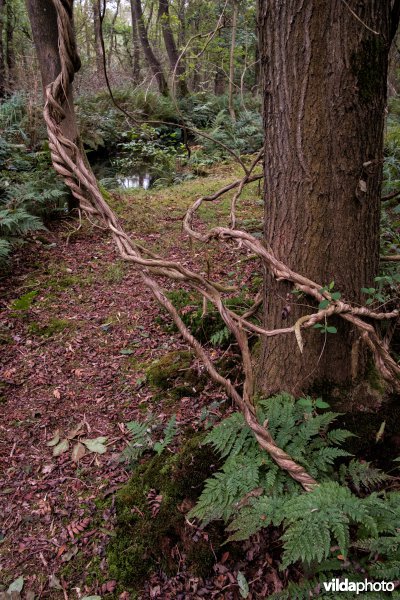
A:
[169,434]
[141,440]
[362,476]
[250,493]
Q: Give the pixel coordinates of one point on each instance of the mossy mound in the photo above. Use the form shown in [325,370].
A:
[172,372]
[147,538]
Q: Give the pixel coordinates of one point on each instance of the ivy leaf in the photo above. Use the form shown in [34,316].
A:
[305,402]
[61,448]
[243,585]
[16,585]
[319,403]
[331,329]
[96,445]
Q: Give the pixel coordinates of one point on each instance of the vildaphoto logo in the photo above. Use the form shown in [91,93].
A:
[344,585]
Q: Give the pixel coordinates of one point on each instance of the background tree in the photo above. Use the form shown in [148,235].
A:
[324,80]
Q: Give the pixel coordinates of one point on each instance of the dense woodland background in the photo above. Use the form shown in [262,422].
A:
[126,471]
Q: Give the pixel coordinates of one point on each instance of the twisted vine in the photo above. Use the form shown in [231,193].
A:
[69,162]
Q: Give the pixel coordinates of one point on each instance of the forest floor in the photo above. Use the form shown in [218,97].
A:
[73,365]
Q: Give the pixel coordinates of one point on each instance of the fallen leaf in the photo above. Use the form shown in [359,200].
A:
[78,452]
[68,555]
[61,448]
[55,440]
[54,582]
[61,550]
[16,585]
[57,394]
[243,585]
[96,445]
[75,431]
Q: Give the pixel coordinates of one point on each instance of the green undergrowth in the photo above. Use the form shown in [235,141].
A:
[146,537]
[144,210]
[174,376]
[52,327]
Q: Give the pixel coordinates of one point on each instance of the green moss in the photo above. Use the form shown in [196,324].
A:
[115,273]
[144,541]
[53,327]
[375,379]
[168,368]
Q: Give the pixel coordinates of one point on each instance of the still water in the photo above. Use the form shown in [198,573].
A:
[140,180]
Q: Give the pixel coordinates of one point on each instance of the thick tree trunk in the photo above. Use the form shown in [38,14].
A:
[2,58]
[152,60]
[324,77]
[177,69]
[43,19]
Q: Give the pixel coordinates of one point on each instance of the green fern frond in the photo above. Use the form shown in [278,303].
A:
[232,433]
[362,475]
[169,434]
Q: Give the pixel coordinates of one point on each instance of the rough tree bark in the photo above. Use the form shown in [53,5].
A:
[2,61]
[152,60]
[232,59]
[172,51]
[324,83]
[43,19]
[135,46]
[10,47]
[97,40]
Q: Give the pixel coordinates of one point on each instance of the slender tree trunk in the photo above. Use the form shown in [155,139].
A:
[10,48]
[232,59]
[135,46]
[97,40]
[170,46]
[152,60]
[113,38]
[2,58]
[219,82]
[324,79]
[43,19]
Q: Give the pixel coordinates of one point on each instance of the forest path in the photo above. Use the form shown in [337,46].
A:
[76,355]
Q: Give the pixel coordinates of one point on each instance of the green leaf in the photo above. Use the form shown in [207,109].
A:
[243,585]
[318,326]
[96,445]
[16,585]
[319,403]
[323,304]
[61,448]
[126,351]
[331,329]
[305,402]
[336,295]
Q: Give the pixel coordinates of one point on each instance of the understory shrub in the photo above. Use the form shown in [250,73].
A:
[347,526]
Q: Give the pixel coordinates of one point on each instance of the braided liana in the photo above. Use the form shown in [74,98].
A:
[69,162]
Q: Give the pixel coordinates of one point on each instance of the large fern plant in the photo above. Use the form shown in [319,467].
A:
[333,529]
